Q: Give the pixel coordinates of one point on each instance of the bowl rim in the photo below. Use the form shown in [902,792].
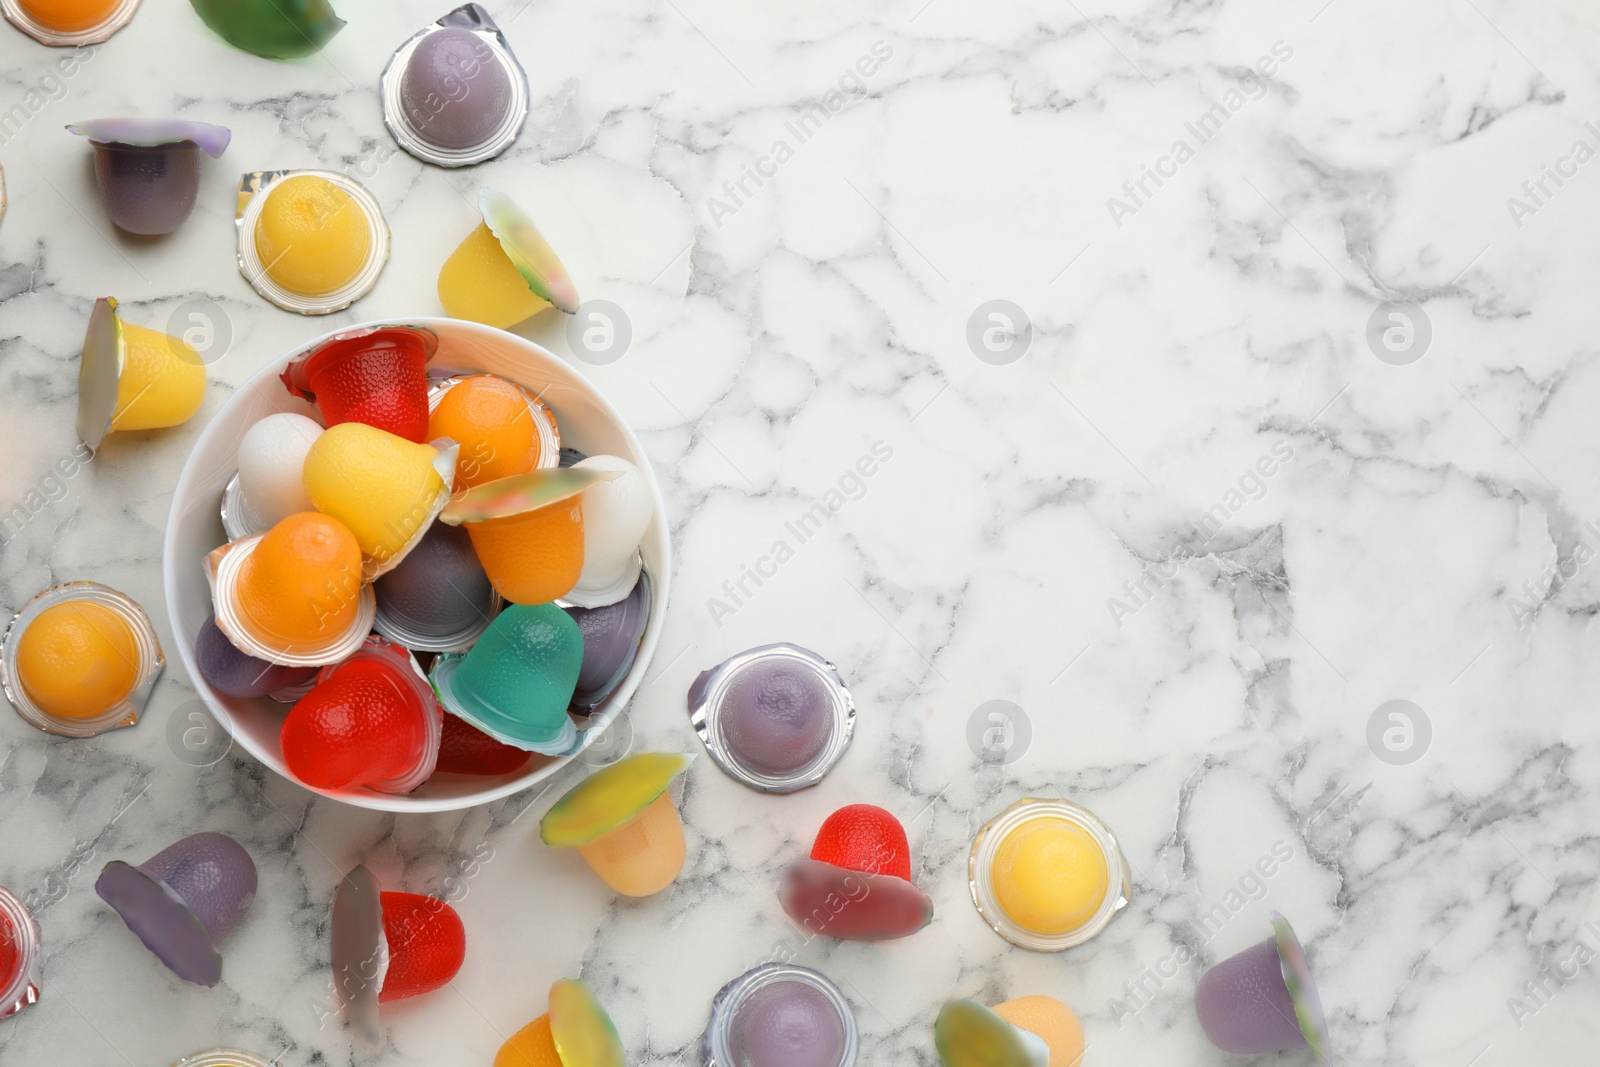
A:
[625,690]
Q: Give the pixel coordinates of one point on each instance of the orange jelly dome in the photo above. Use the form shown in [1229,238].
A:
[70,16]
[534,557]
[302,584]
[76,660]
[489,418]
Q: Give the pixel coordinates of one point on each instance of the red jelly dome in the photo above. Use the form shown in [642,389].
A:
[358,726]
[378,377]
[427,944]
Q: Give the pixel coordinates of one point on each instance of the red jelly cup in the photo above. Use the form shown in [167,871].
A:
[376,376]
[19,955]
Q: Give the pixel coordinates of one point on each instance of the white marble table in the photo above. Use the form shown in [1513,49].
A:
[1084,531]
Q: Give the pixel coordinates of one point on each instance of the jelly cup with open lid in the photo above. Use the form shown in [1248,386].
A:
[184,900]
[1264,999]
[775,717]
[454,94]
[21,943]
[856,884]
[516,682]
[505,271]
[575,1032]
[369,722]
[69,23]
[293,595]
[622,821]
[780,1015]
[388,947]
[148,170]
[272,29]
[310,241]
[80,659]
[374,376]
[1035,1031]
[134,378]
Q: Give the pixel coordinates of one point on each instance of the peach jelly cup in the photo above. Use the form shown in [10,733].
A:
[588,422]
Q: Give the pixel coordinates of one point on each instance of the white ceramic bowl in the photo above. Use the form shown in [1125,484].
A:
[194,528]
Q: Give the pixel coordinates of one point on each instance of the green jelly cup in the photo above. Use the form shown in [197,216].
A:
[516,682]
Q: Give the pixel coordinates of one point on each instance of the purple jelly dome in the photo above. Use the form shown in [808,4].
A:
[439,588]
[787,1024]
[777,716]
[239,674]
[1244,1004]
[610,642]
[148,189]
[455,92]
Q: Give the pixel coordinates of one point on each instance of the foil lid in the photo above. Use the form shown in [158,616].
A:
[708,708]
[360,954]
[148,133]
[253,187]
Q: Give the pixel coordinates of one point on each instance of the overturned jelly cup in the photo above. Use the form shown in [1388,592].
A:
[183,900]
[134,378]
[505,271]
[148,170]
[575,1032]
[1264,999]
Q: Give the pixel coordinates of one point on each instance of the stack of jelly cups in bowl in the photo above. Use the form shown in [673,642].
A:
[412,578]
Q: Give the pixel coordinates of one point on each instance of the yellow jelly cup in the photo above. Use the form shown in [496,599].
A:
[990,897]
[344,289]
[622,821]
[505,271]
[134,378]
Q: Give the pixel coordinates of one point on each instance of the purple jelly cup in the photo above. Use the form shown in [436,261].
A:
[454,93]
[438,598]
[183,900]
[148,170]
[1264,999]
[239,674]
[775,717]
[779,1015]
[21,942]
[611,637]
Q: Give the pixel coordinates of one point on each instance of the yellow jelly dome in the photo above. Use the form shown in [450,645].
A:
[381,486]
[479,282]
[163,381]
[1050,876]
[77,660]
[301,585]
[69,16]
[312,236]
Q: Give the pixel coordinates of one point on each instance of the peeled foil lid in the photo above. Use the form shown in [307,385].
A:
[100,372]
[360,952]
[1302,988]
[148,133]
[528,251]
[521,493]
[476,20]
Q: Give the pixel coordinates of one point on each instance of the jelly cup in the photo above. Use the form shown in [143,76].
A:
[856,883]
[272,29]
[134,378]
[69,23]
[780,1015]
[616,515]
[575,1032]
[547,435]
[146,668]
[255,190]
[386,489]
[465,749]
[454,94]
[184,900]
[437,599]
[516,682]
[270,485]
[505,271]
[225,1057]
[622,821]
[371,721]
[21,943]
[238,674]
[148,170]
[1264,999]
[775,717]
[986,893]
[389,946]
[377,377]
[611,637]
[347,600]
[1031,1031]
